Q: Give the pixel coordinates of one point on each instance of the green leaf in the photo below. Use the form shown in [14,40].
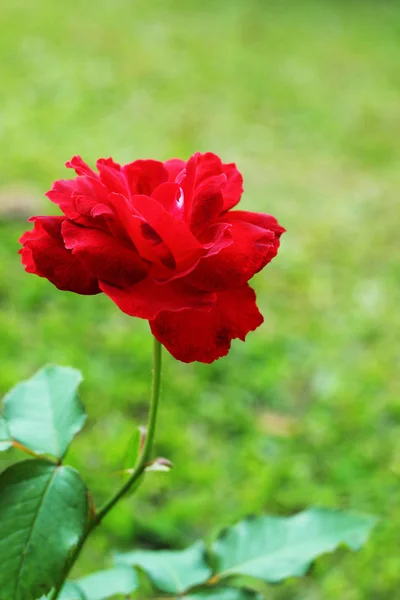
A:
[104,584]
[274,548]
[222,594]
[172,571]
[43,514]
[5,438]
[44,412]
[70,591]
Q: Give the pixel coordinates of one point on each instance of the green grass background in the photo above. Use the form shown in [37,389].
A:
[304,96]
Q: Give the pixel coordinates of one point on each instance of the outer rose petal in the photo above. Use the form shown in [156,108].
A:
[210,164]
[81,197]
[87,194]
[44,253]
[105,257]
[80,167]
[193,335]
[261,219]
[111,176]
[234,186]
[200,168]
[252,248]
[147,298]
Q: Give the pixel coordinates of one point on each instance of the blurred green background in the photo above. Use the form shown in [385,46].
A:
[304,97]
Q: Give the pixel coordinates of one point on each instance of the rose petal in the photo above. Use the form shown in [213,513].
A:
[111,176]
[199,167]
[109,162]
[209,165]
[61,194]
[187,181]
[216,237]
[252,248]
[202,167]
[80,167]
[174,232]
[169,196]
[147,298]
[87,195]
[82,196]
[148,242]
[260,219]
[174,167]
[234,186]
[208,202]
[107,258]
[204,336]
[143,176]
[45,255]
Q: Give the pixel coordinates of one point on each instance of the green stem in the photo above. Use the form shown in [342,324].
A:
[144,457]
[137,472]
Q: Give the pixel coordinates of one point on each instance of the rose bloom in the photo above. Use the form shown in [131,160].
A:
[162,241]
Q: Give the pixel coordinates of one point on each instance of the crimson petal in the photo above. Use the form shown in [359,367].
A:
[193,335]
[202,167]
[174,232]
[143,176]
[260,219]
[146,239]
[208,202]
[111,176]
[44,254]
[174,167]
[147,298]
[80,167]
[234,186]
[104,256]
[168,195]
[80,197]
[252,248]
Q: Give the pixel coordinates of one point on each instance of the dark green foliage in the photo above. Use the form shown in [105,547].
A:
[43,514]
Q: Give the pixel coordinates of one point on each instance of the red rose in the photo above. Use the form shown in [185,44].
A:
[161,240]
